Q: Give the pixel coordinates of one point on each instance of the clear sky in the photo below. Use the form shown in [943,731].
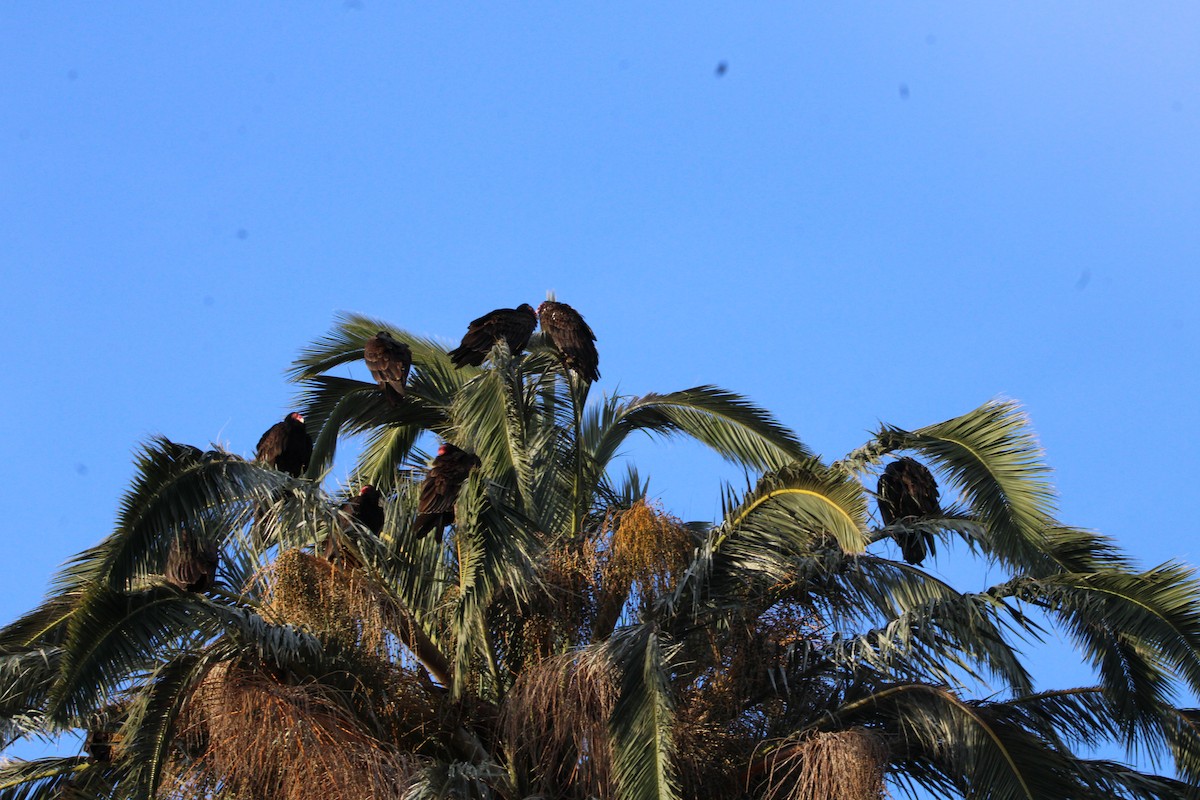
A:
[851,213]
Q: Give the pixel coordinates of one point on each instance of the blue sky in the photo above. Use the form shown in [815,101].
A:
[878,212]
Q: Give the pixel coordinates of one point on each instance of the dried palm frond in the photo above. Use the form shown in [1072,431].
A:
[825,765]
[265,739]
[554,724]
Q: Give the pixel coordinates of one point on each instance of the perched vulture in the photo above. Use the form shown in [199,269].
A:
[100,745]
[572,337]
[191,565]
[366,509]
[907,489]
[513,325]
[389,362]
[286,445]
[439,491]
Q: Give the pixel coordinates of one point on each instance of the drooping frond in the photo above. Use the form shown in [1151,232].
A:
[992,454]
[43,778]
[769,532]
[176,487]
[726,422]
[345,406]
[642,720]
[1139,630]
[26,676]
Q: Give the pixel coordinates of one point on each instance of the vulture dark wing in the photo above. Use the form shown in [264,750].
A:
[389,362]
[572,337]
[514,325]
[286,446]
[907,490]
[440,489]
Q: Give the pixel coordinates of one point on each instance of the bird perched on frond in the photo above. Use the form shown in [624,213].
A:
[513,325]
[366,508]
[572,337]
[439,490]
[192,564]
[286,445]
[907,490]
[390,362]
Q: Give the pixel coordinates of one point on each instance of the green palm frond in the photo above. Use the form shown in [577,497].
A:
[491,417]
[149,729]
[44,625]
[1137,629]
[642,720]
[496,549]
[177,487]
[980,747]
[943,639]
[341,405]
[43,778]
[772,532]
[113,635]
[1110,779]
[726,422]
[25,679]
[992,454]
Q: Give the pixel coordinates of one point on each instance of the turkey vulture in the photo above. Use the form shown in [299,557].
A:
[907,489]
[513,325]
[101,745]
[389,362]
[439,491]
[191,565]
[366,509]
[572,337]
[286,445]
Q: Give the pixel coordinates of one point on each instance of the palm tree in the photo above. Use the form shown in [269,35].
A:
[572,639]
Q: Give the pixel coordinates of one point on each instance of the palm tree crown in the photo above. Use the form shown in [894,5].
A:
[568,637]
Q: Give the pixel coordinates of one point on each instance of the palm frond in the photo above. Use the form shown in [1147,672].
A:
[152,715]
[41,779]
[992,454]
[728,423]
[1137,630]
[25,680]
[642,721]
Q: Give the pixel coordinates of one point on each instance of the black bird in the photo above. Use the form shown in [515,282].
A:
[286,445]
[513,325]
[389,362]
[439,490]
[572,337]
[192,565]
[907,490]
[366,509]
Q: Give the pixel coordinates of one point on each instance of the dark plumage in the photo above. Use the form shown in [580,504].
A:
[572,337]
[439,490]
[192,565]
[907,490]
[513,325]
[286,446]
[366,509]
[101,745]
[389,362]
